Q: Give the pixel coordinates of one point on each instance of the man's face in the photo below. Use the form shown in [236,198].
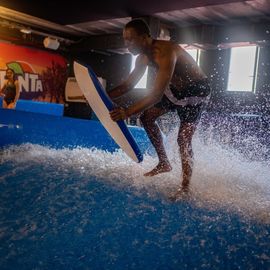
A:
[133,41]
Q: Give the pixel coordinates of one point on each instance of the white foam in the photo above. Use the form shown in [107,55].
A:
[221,177]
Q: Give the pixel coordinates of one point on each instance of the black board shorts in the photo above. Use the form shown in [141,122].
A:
[188,113]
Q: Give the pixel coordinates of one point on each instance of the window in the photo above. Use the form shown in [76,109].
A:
[195,53]
[243,69]
[143,80]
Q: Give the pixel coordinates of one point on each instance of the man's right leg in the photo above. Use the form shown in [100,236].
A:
[185,135]
[148,119]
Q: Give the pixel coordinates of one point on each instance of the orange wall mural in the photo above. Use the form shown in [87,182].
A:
[42,75]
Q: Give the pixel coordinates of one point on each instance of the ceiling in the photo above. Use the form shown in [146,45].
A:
[79,19]
[79,11]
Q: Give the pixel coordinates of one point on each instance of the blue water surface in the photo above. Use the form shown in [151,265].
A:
[69,209]
[54,217]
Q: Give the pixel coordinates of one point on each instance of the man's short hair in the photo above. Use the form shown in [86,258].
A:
[140,26]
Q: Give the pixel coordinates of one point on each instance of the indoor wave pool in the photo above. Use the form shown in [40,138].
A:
[70,199]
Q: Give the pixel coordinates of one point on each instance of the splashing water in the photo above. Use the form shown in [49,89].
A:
[86,208]
[222,178]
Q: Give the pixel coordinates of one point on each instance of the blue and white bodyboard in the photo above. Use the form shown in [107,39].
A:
[101,104]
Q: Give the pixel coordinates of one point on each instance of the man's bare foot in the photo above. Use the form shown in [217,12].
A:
[160,168]
[182,192]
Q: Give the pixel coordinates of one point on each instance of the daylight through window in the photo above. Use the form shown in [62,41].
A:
[195,53]
[143,81]
[243,69]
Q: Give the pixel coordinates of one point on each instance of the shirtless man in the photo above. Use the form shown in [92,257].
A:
[180,85]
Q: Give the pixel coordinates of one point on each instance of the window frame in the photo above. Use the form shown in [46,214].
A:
[254,75]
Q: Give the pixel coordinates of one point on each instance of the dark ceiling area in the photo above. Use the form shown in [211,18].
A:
[98,25]
[65,12]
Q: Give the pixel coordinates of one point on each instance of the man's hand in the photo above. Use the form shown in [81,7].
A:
[119,113]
